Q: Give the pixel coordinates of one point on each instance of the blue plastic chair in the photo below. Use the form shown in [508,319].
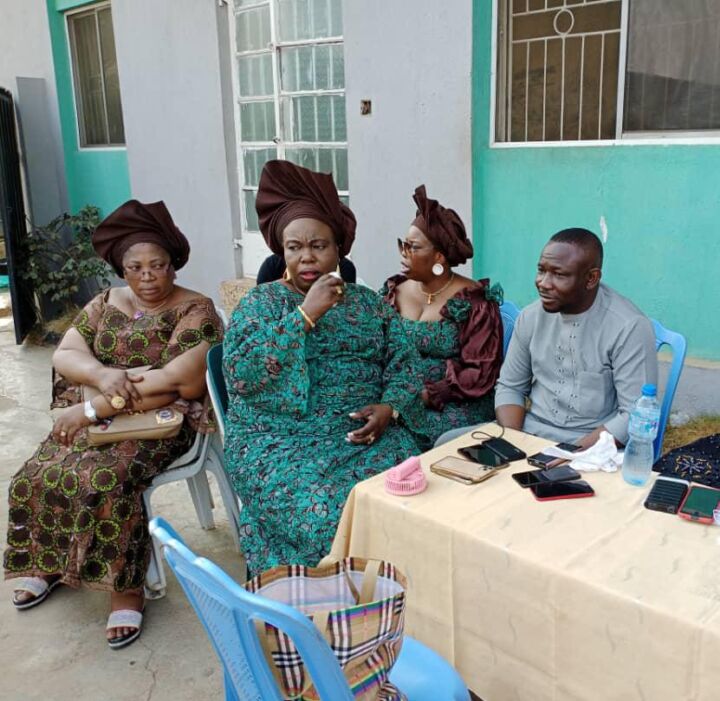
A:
[228,613]
[217,390]
[678,345]
[508,313]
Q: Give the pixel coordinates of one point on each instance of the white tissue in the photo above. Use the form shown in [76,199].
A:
[604,455]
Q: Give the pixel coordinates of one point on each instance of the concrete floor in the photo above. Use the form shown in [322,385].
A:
[57,651]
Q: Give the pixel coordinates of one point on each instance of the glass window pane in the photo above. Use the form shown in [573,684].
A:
[315,118]
[251,217]
[245,3]
[673,67]
[112,82]
[255,77]
[252,29]
[325,160]
[253,162]
[257,121]
[310,19]
[88,81]
[312,68]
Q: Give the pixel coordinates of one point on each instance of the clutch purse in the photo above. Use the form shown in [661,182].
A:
[153,424]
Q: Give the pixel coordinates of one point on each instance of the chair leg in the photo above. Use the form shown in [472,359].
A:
[202,499]
[230,499]
[155,582]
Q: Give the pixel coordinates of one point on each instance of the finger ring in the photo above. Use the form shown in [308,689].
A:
[117,402]
[339,290]
[63,434]
[371,438]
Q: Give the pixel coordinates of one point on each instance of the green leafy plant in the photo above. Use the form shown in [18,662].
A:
[59,257]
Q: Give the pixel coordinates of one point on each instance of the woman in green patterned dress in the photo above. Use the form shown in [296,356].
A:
[319,375]
[453,321]
[76,514]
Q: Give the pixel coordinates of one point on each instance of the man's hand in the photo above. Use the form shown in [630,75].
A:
[376,417]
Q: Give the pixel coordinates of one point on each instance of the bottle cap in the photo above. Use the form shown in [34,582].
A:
[649,390]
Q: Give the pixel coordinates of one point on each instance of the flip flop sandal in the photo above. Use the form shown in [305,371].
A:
[38,587]
[125,618]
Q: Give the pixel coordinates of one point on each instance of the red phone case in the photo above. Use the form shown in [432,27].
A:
[696,518]
[563,496]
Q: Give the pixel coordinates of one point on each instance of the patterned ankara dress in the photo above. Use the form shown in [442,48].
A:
[290,396]
[460,358]
[77,511]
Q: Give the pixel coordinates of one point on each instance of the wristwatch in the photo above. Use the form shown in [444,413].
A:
[89,411]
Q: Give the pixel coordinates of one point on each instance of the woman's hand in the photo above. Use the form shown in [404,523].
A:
[376,417]
[114,382]
[325,292]
[68,423]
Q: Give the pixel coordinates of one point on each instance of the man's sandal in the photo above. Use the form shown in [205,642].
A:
[37,587]
[125,618]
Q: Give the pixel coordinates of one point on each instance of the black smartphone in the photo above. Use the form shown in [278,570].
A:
[562,490]
[666,495]
[562,473]
[504,449]
[482,455]
[543,460]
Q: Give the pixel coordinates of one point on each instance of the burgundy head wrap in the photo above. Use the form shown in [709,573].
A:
[287,192]
[135,222]
[443,227]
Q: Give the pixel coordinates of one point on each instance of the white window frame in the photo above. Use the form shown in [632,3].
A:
[84,9]
[278,143]
[633,138]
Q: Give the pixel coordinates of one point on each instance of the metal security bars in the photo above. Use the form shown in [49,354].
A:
[589,70]
[290,91]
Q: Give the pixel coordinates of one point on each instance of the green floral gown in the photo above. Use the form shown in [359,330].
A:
[77,511]
[290,396]
[460,358]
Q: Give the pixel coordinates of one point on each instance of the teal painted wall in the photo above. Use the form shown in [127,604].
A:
[661,205]
[94,176]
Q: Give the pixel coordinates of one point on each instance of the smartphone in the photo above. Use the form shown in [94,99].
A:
[699,503]
[462,470]
[562,490]
[483,455]
[543,460]
[504,449]
[562,473]
[667,494]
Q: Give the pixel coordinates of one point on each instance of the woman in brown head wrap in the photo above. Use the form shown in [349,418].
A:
[76,514]
[453,320]
[318,378]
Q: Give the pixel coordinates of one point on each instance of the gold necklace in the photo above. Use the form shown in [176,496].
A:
[430,295]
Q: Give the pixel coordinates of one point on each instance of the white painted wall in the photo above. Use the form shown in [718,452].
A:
[171,73]
[26,52]
[413,60]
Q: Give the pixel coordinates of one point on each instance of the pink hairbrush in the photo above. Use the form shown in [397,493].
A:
[406,479]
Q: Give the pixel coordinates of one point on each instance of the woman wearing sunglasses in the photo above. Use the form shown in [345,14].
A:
[453,321]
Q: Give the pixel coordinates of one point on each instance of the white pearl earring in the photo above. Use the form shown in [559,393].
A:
[438,269]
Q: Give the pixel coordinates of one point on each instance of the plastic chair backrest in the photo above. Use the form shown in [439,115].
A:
[678,345]
[216,385]
[508,313]
[228,611]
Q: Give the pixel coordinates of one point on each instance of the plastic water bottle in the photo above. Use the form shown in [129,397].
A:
[643,427]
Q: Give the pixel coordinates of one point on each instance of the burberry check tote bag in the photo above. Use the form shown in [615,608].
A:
[358,605]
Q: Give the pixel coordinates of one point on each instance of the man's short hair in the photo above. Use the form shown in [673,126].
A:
[584,239]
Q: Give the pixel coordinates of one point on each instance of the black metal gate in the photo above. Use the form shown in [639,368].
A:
[13,225]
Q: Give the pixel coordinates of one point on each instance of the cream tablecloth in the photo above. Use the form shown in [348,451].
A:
[593,599]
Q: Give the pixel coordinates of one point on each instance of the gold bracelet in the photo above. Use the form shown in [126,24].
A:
[306,316]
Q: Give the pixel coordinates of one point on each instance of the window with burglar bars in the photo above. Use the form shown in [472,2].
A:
[290,89]
[584,70]
[95,77]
